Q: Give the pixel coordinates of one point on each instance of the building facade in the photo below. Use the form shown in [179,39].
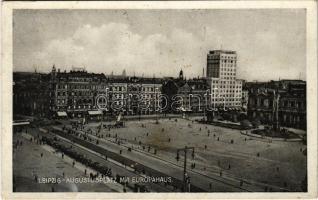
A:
[186,95]
[80,94]
[30,94]
[291,95]
[75,93]
[221,71]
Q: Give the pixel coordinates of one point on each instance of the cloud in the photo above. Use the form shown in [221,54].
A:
[269,44]
[114,47]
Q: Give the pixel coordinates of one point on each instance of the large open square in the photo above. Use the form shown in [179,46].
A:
[280,164]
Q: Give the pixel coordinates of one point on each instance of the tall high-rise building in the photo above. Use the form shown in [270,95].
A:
[226,90]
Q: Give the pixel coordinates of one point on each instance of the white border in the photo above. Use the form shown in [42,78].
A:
[6,93]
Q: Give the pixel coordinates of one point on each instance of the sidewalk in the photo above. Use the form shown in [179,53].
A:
[29,165]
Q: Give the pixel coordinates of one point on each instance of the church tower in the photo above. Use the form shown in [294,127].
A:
[181,74]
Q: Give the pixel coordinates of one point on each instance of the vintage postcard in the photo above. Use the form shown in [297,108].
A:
[161,100]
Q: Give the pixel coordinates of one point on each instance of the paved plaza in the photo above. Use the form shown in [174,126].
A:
[277,164]
[245,162]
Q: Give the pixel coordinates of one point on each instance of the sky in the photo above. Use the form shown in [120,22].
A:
[270,43]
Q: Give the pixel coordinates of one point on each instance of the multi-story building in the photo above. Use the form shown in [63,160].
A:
[143,95]
[117,90]
[81,94]
[291,97]
[30,92]
[188,95]
[75,93]
[221,71]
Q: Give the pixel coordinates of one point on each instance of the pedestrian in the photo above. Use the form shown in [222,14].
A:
[73,163]
[285,184]
[229,166]
[63,174]
[241,183]
[41,155]
[85,171]
[62,155]
[205,147]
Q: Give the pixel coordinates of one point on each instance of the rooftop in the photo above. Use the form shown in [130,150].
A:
[222,51]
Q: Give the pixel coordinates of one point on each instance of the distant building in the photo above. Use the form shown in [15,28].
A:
[30,92]
[226,90]
[74,93]
[79,94]
[291,106]
[187,95]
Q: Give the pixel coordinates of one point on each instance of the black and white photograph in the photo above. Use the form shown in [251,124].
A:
[160,100]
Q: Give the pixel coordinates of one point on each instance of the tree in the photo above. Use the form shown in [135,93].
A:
[246,124]
[242,117]
[256,122]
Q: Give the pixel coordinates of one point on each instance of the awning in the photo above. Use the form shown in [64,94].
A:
[21,123]
[61,114]
[95,112]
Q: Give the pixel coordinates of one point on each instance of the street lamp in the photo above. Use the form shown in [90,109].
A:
[224,103]
[207,92]
[186,179]
[107,99]
[156,112]
[216,88]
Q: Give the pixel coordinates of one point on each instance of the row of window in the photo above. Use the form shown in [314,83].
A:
[228,78]
[269,103]
[230,86]
[229,74]
[112,88]
[223,82]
